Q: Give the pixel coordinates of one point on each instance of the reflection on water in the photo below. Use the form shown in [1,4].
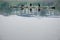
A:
[13,8]
[28,13]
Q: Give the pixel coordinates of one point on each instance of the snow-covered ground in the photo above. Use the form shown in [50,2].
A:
[29,28]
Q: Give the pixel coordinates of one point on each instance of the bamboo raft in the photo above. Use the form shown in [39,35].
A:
[32,7]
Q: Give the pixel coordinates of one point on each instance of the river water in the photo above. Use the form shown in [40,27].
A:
[29,28]
[26,25]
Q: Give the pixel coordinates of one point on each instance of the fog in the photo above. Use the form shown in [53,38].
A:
[29,28]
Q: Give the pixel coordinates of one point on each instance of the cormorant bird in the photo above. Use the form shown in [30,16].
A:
[38,7]
[30,8]
[22,7]
[52,7]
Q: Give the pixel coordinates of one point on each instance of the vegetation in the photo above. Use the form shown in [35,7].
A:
[4,6]
[57,5]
